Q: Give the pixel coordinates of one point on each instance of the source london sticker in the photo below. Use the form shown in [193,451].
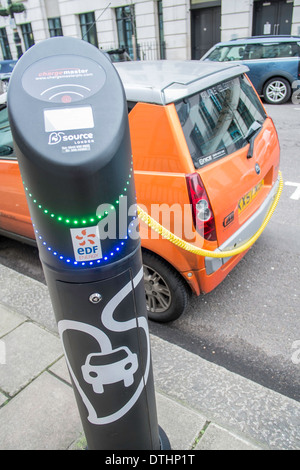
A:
[86,243]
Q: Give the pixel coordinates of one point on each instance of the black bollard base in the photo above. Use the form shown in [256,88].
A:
[164,440]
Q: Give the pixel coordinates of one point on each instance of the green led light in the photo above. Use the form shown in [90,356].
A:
[68,220]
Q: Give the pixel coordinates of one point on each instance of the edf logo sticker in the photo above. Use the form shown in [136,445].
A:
[86,243]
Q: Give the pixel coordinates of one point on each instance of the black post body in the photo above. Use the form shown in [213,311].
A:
[69,121]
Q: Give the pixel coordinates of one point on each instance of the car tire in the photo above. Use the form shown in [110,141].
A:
[166,292]
[277,90]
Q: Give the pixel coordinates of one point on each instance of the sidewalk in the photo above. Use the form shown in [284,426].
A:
[201,406]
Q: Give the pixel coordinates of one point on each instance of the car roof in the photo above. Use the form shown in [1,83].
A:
[166,81]
[265,39]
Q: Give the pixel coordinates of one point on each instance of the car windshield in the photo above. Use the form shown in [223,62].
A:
[216,121]
[7,67]
[110,358]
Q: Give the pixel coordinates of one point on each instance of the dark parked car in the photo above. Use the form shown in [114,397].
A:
[273,61]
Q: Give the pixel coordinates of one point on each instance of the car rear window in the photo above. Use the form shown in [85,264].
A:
[216,121]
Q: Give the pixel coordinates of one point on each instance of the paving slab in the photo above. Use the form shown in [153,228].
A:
[9,320]
[181,424]
[27,296]
[60,369]
[43,416]
[217,438]
[29,350]
[227,399]
[3,398]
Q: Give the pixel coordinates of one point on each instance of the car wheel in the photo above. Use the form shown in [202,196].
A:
[166,292]
[277,91]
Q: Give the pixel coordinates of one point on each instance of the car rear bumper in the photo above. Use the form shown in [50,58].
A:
[244,233]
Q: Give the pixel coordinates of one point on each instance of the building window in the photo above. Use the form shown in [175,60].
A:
[55,28]
[126,29]
[88,28]
[27,35]
[4,44]
[19,51]
[162,48]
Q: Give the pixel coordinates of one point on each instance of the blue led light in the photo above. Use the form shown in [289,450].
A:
[116,251]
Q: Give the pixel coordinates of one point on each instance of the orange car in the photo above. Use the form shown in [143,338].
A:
[206,163]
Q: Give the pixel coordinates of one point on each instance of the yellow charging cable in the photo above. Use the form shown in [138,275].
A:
[211,254]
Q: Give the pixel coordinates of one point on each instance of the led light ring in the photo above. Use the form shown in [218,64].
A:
[79,222]
[66,259]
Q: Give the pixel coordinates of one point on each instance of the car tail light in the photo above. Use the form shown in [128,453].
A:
[203,216]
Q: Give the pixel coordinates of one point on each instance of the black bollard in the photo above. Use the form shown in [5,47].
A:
[69,121]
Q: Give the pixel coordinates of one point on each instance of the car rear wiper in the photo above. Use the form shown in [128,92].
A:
[252,133]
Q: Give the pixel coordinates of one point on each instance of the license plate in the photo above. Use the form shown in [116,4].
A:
[248,198]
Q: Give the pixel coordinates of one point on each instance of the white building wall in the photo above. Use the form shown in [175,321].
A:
[176,28]
[236,19]
[146,28]
[237,16]
[296,18]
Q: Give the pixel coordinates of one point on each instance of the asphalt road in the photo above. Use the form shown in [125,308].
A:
[250,324]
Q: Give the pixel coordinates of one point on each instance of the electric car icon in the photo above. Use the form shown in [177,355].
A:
[108,368]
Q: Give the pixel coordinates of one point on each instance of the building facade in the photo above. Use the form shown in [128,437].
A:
[147,29]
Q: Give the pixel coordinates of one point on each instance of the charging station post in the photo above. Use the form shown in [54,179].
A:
[69,120]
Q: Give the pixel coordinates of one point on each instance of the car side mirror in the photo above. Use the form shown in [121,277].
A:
[5,150]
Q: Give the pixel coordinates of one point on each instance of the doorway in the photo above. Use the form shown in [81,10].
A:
[205,29]
[272,17]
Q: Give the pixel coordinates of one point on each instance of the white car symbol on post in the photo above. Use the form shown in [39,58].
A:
[107,368]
